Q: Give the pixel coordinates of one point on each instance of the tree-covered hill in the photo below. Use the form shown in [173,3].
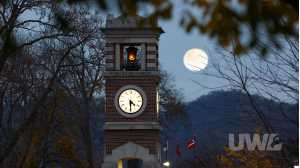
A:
[213,116]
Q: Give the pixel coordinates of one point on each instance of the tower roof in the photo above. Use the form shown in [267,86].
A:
[130,22]
[125,22]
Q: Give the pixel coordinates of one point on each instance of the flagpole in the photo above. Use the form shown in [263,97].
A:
[166,162]
[167,148]
[194,149]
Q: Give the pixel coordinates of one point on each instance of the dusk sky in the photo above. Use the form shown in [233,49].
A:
[173,45]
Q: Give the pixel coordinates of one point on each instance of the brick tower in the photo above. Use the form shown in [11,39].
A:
[131,129]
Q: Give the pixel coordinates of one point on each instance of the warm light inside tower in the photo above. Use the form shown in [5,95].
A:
[131,54]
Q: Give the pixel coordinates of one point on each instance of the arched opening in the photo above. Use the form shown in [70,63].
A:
[130,155]
[130,163]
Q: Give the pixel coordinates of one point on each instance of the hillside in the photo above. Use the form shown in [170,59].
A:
[213,116]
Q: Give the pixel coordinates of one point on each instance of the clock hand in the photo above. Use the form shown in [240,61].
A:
[131,102]
[130,105]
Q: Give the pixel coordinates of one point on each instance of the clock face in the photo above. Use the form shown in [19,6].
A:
[130,101]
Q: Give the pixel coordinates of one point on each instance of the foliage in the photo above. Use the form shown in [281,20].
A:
[242,25]
[244,159]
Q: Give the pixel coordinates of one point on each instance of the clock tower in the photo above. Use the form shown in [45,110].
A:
[131,128]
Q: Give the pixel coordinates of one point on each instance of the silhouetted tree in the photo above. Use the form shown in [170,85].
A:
[274,77]
[48,93]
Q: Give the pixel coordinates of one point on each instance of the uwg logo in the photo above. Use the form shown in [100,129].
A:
[269,142]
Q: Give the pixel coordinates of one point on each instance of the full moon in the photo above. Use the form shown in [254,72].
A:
[195,59]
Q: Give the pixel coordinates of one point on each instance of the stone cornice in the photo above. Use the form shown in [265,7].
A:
[131,125]
[129,74]
[142,31]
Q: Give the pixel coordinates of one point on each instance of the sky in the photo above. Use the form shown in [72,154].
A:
[172,47]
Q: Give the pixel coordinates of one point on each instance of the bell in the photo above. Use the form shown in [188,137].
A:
[131,54]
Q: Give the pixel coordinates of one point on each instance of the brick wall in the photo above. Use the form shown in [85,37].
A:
[147,138]
[109,52]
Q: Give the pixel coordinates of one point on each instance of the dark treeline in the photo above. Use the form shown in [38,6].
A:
[213,116]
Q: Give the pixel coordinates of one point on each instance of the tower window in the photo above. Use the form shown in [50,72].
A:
[131,58]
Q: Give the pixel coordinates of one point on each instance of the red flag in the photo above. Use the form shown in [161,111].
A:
[178,152]
[191,144]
